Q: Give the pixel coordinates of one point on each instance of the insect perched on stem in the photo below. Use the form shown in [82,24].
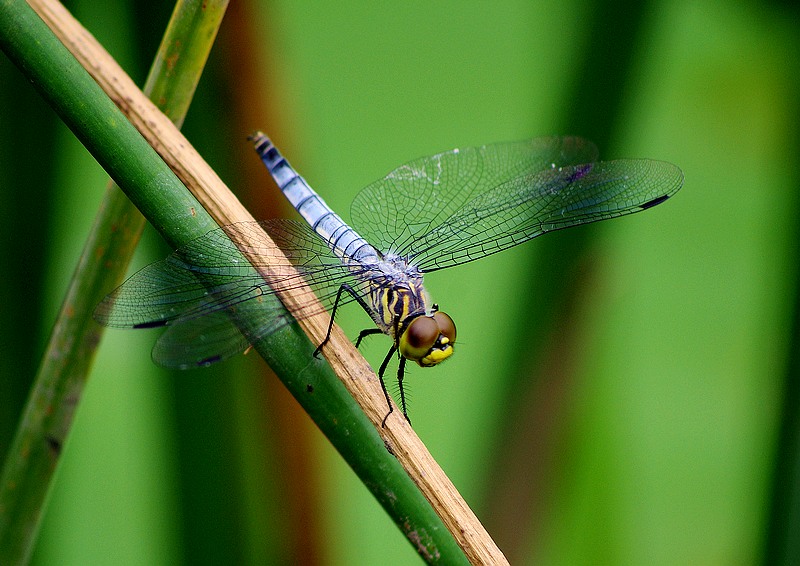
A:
[429,214]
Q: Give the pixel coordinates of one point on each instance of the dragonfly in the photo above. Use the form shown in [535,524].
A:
[432,213]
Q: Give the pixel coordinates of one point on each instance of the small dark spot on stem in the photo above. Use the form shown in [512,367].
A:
[54,444]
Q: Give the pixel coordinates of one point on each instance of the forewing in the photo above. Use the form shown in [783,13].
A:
[538,202]
[419,196]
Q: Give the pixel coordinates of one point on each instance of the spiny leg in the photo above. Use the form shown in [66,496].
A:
[368,332]
[359,300]
[401,372]
[363,334]
[381,371]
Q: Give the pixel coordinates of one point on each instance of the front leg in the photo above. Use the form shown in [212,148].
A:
[401,373]
[381,371]
[359,300]
[368,332]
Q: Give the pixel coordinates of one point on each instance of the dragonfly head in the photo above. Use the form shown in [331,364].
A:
[429,339]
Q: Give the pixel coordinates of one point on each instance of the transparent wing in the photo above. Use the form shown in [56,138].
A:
[462,205]
[423,194]
[203,341]
[531,205]
[199,290]
[438,211]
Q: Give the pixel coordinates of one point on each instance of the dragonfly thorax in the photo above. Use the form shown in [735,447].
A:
[396,293]
[402,309]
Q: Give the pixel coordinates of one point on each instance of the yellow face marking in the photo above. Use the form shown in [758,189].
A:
[436,356]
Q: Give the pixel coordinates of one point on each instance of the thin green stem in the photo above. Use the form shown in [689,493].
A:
[58,386]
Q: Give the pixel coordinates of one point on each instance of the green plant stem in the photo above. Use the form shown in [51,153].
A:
[58,386]
[121,150]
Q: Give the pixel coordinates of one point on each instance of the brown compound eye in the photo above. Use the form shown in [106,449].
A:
[419,338]
[446,326]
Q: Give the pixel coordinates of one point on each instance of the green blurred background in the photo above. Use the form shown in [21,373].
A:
[618,393]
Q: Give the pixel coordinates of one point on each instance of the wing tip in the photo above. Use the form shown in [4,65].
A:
[654,202]
[150,324]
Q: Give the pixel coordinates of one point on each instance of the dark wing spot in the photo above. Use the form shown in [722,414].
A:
[654,202]
[151,324]
[580,172]
[209,360]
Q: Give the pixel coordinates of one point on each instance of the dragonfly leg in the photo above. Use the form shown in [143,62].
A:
[349,289]
[361,336]
[381,371]
[368,332]
[401,371]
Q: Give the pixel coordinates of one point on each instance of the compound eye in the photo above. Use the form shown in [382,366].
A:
[446,326]
[419,337]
